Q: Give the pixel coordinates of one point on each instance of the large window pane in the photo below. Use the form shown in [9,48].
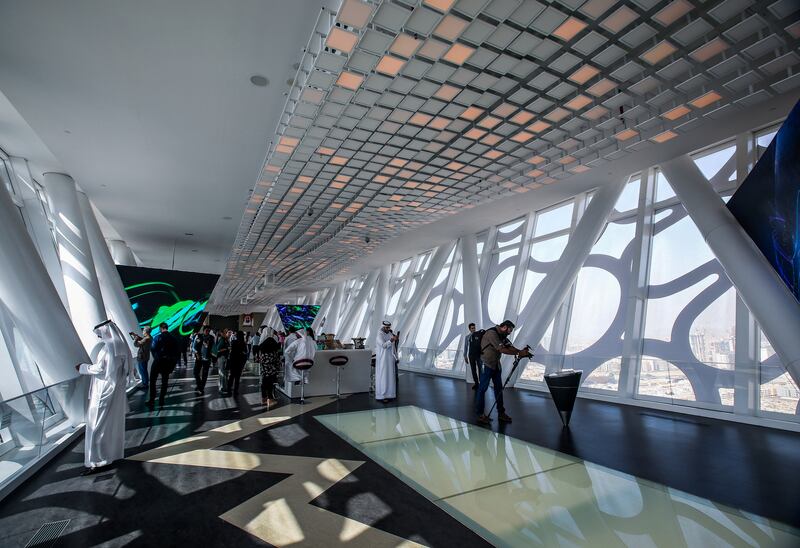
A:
[690,321]
[554,220]
[779,392]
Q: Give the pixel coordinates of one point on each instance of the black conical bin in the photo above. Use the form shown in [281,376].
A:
[563,387]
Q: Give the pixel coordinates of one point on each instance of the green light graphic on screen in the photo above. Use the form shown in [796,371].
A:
[179,314]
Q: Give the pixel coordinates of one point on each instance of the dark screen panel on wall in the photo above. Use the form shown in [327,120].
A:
[767,204]
[172,296]
[297,316]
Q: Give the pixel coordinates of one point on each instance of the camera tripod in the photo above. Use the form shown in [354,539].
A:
[511,374]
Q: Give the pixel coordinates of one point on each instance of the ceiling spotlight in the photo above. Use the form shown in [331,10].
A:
[366,239]
[310,211]
[259,81]
[188,233]
[227,218]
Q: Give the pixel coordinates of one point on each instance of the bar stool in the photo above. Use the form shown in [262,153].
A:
[338,362]
[372,375]
[303,365]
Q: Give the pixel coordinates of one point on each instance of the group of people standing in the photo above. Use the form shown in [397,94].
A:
[226,349]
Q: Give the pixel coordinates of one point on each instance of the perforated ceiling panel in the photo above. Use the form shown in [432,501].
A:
[404,112]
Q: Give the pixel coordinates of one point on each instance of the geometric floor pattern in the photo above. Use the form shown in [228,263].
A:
[282,514]
[515,493]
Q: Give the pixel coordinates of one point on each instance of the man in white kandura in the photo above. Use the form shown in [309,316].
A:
[108,402]
[301,348]
[385,364]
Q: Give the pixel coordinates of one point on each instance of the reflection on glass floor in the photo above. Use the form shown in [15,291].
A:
[514,493]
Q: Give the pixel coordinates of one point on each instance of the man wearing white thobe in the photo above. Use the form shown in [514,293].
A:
[108,401]
[301,348]
[385,364]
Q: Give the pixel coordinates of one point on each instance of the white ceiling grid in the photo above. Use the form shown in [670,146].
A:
[404,112]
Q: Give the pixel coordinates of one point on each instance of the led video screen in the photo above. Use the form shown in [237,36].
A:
[767,203]
[175,297]
[297,315]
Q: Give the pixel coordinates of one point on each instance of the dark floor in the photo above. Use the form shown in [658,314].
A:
[148,504]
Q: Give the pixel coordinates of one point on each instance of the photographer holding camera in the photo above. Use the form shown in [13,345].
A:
[494,342]
[143,343]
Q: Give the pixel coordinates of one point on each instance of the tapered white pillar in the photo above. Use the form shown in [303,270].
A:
[409,316]
[758,284]
[121,253]
[349,323]
[472,285]
[332,318]
[548,296]
[325,306]
[381,303]
[77,264]
[39,226]
[114,297]
[33,302]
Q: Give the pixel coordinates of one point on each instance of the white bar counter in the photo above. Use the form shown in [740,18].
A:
[355,376]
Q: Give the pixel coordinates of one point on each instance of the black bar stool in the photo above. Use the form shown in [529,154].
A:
[303,365]
[338,362]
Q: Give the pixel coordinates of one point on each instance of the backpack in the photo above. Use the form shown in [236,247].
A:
[475,348]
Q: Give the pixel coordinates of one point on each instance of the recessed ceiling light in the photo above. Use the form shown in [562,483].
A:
[258,80]
[471,113]
[227,218]
[663,137]
[584,74]
[458,54]
[441,5]
[626,134]
[405,45]
[677,112]
[705,100]
[569,28]
[188,233]
[341,40]
[619,19]
[709,49]
[389,65]
[450,28]
[354,13]
[672,12]
[578,102]
[350,80]
[194,251]
[659,52]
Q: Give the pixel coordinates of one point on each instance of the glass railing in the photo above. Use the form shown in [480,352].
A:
[32,424]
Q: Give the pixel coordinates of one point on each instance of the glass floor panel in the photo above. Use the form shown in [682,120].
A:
[515,493]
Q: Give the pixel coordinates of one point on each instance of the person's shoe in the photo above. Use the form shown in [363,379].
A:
[198,391]
[474,386]
[483,419]
[504,418]
[270,403]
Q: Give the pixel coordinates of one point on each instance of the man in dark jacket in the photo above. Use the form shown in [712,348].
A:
[165,351]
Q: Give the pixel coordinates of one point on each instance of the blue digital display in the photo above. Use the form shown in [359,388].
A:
[298,316]
[767,204]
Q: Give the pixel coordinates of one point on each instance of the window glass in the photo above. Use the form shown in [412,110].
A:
[779,392]
[553,220]
[498,294]
[717,162]
[629,199]
[663,188]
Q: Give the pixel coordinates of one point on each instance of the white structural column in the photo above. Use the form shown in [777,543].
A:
[551,292]
[348,323]
[36,218]
[121,253]
[111,287]
[77,264]
[381,303]
[472,284]
[332,321]
[417,302]
[33,302]
[325,306]
[758,284]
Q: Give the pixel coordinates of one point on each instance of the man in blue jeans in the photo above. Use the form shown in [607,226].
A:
[494,342]
[143,355]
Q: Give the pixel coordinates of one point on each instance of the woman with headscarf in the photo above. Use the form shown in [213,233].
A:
[269,355]
[108,402]
[237,360]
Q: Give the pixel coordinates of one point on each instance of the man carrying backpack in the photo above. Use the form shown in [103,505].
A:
[494,342]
